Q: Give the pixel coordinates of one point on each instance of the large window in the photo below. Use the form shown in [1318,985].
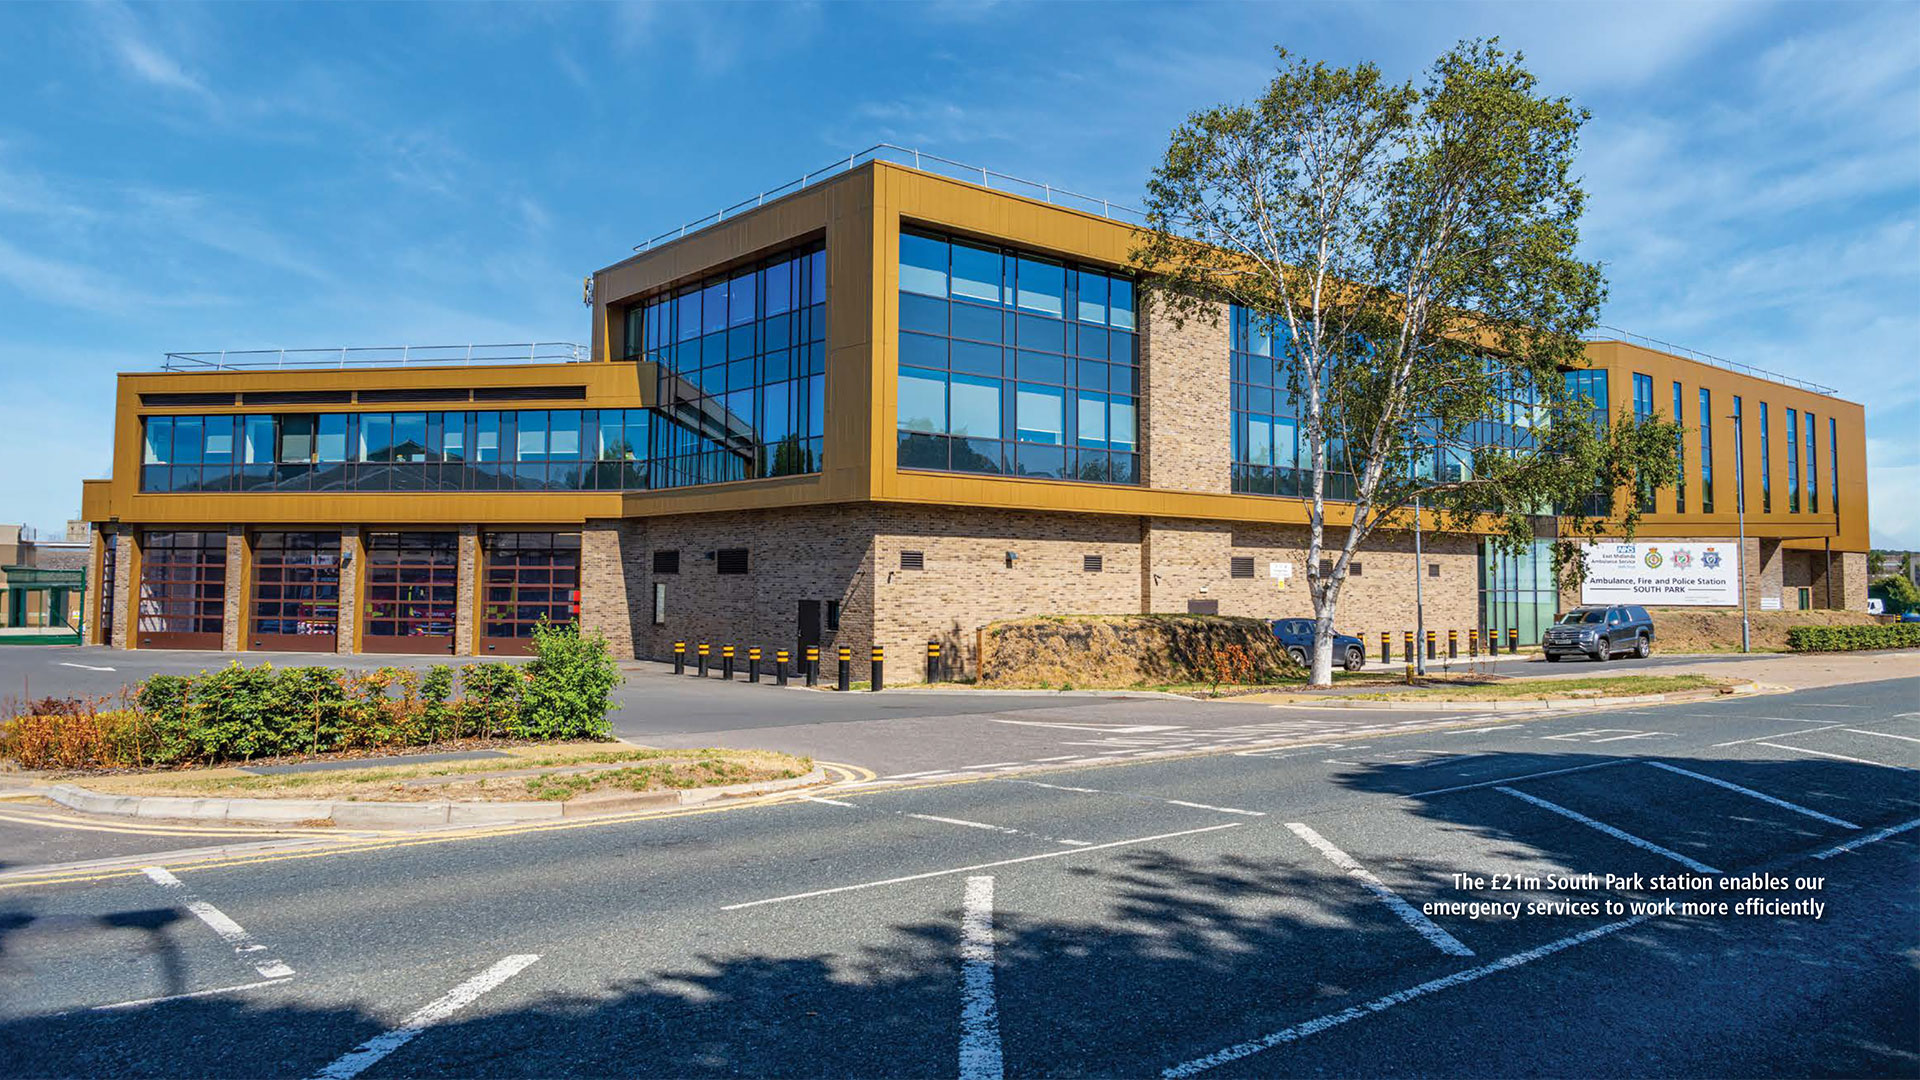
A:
[296,591]
[1517,591]
[1793,461]
[1015,364]
[743,360]
[1680,449]
[530,576]
[517,450]
[1591,385]
[183,589]
[1813,466]
[1766,461]
[412,588]
[1270,454]
[1643,411]
[1833,465]
[1706,451]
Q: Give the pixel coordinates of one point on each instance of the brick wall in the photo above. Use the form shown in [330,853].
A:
[124,590]
[352,555]
[1185,402]
[236,598]
[466,590]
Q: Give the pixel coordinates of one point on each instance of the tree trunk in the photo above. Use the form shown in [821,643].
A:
[1322,673]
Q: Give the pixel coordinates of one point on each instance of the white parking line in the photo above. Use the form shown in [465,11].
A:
[190,994]
[1782,735]
[977,866]
[1513,779]
[84,667]
[1872,837]
[1883,734]
[980,1057]
[1142,798]
[358,1060]
[1820,705]
[1750,793]
[1410,915]
[230,932]
[1617,834]
[1837,757]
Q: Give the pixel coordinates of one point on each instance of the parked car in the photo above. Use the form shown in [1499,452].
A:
[1601,632]
[1911,616]
[1297,636]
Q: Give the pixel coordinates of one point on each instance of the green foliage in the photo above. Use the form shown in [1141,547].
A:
[568,683]
[1849,638]
[435,712]
[490,698]
[1415,247]
[1899,593]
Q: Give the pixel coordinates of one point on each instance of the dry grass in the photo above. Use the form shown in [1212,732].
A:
[1091,652]
[1690,630]
[649,770]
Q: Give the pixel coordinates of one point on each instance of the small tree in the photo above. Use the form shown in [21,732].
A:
[1411,252]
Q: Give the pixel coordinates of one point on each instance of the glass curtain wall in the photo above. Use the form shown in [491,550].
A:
[1793,461]
[1015,364]
[743,360]
[1766,461]
[1642,411]
[1706,451]
[1680,449]
[1813,466]
[1271,455]
[1517,591]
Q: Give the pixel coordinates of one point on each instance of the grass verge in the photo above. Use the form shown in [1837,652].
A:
[551,772]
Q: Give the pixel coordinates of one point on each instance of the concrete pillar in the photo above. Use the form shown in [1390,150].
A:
[1766,572]
[353,557]
[1186,437]
[1850,580]
[235,614]
[125,590]
[468,593]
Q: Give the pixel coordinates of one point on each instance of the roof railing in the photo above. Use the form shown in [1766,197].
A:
[925,162]
[1712,360]
[534,352]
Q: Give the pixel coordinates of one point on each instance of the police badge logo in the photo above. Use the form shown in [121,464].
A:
[1710,559]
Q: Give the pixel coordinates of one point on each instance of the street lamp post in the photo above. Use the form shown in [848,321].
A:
[1419,603]
[1740,505]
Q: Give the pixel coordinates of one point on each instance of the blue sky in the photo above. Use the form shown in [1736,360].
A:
[254,176]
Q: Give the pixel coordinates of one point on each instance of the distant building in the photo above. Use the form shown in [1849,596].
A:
[42,580]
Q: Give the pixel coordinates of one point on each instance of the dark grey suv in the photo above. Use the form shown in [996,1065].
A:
[1600,632]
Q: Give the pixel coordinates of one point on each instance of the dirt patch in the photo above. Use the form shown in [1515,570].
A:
[1685,630]
[1125,651]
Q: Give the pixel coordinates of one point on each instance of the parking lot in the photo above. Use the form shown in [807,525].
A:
[1239,913]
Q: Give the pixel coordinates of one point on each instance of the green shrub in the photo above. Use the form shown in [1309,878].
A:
[435,711]
[489,698]
[1847,638]
[568,683]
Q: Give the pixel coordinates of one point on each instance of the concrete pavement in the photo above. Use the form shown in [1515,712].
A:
[1227,914]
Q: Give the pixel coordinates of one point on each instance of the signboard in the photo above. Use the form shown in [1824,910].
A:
[1281,571]
[1770,603]
[1662,572]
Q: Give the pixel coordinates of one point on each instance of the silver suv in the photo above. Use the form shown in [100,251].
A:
[1600,632]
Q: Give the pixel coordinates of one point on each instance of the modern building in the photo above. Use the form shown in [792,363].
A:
[43,582]
[884,408]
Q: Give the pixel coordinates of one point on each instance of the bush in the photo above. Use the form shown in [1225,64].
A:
[1848,638]
[489,698]
[568,681]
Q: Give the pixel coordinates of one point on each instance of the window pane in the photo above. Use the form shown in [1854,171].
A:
[410,437]
[740,306]
[923,400]
[778,285]
[1092,419]
[1120,303]
[188,431]
[713,308]
[976,273]
[1042,286]
[159,440]
[486,436]
[259,440]
[453,444]
[219,440]
[532,442]
[923,265]
[1120,424]
[563,440]
[376,437]
[974,407]
[1041,412]
[1092,299]
[330,444]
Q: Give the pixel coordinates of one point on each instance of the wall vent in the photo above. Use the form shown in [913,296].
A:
[1092,563]
[913,560]
[666,562]
[733,560]
[1240,566]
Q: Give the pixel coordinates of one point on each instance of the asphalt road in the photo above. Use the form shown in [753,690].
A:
[1246,912]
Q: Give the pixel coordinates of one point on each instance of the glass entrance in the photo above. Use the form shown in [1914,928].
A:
[296,591]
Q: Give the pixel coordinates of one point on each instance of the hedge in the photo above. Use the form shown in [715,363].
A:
[1848,638]
[238,713]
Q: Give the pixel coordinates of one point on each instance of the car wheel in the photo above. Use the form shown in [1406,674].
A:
[1643,648]
[1552,657]
[1603,650]
[1299,656]
[1355,659]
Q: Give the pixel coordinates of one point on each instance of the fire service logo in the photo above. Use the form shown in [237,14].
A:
[1682,558]
[1653,558]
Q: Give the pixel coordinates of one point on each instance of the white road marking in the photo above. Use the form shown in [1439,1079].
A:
[230,932]
[85,667]
[1882,734]
[965,822]
[1750,793]
[1117,729]
[1636,735]
[1872,837]
[991,765]
[358,1060]
[1782,735]
[1617,834]
[1514,779]
[181,997]
[980,1057]
[1837,757]
[1821,705]
[977,866]
[1060,757]
[1450,759]
[1410,915]
[1142,798]
[1399,997]
[911,775]
[829,802]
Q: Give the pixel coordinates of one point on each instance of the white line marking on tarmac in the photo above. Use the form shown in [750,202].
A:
[359,1059]
[1142,798]
[1117,729]
[1514,779]
[85,667]
[1821,705]
[911,775]
[1617,834]
[1882,734]
[1059,757]
[991,765]
[1635,735]
[980,1057]
[190,994]
[1750,793]
[1837,757]
[829,802]
[1782,735]
[978,866]
[1398,997]
[1410,915]
[968,824]
[230,932]
[1872,837]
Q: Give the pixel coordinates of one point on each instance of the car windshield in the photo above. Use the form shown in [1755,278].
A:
[1597,615]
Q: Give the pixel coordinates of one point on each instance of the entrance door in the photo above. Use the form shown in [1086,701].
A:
[296,591]
[183,589]
[529,576]
[809,627]
[413,586]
